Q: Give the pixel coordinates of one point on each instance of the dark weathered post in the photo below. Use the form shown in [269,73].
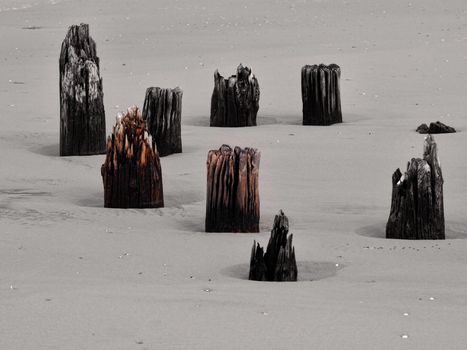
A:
[232,203]
[278,263]
[82,116]
[417,210]
[321,94]
[162,112]
[132,171]
[235,101]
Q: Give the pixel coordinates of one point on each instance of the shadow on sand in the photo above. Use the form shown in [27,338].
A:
[48,150]
[453,231]
[307,270]
[203,121]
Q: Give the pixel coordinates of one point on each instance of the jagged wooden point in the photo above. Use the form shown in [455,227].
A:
[417,209]
[132,173]
[278,263]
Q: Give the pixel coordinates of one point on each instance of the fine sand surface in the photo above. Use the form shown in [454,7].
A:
[74,275]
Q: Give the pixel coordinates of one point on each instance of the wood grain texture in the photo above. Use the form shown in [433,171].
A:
[278,263]
[321,94]
[235,101]
[82,116]
[162,111]
[417,208]
[232,203]
[131,173]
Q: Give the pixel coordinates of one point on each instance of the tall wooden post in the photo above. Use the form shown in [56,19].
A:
[321,94]
[162,112]
[232,203]
[132,171]
[417,209]
[82,116]
[235,101]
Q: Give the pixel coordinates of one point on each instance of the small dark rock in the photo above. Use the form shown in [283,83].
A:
[435,128]
[423,129]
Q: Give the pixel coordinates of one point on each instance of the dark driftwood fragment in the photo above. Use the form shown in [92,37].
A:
[278,263]
[232,203]
[235,101]
[321,94]
[435,128]
[82,116]
[417,210]
[162,112]
[132,171]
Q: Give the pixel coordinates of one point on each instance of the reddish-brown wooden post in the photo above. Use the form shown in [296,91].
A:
[232,203]
[132,171]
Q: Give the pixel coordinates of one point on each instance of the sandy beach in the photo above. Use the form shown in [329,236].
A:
[76,275]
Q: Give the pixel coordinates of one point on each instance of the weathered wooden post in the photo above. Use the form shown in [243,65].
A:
[321,94]
[235,101]
[232,203]
[82,116]
[132,171]
[417,210]
[162,111]
[278,263]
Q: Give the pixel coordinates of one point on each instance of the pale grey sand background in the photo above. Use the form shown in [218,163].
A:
[74,275]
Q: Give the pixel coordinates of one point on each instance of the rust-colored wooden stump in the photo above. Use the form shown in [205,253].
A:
[321,94]
[162,112]
[232,203]
[82,116]
[417,209]
[132,171]
[278,263]
[235,101]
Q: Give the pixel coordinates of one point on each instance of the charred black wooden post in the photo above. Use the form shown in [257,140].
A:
[321,94]
[162,112]
[417,210]
[82,116]
[132,171]
[278,263]
[232,203]
[235,101]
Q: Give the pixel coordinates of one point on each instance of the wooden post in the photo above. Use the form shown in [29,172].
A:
[278,264]
[235,101]
[82,116]
[321,94]
[162,112]
[232,203]
[132,171]
[417,210]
